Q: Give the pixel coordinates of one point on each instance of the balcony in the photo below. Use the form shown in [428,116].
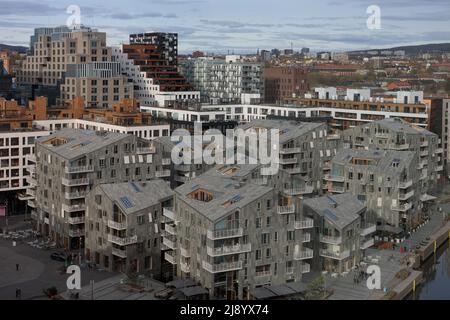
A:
[439,150]
[305,267]
[75,182]
[335,136]
[330,239]
[119,253]
[31,204]
[336,189]
[31,181]
[185,267]
[162,174]
[185,252]
[304,224]
[227,250]
[406,196]
[117,225]
[306,237]
[166,161]
[335,255]
[439,168]
[170,257]
[73,207]
[382,135]
[402,207]
[30,158]
[260,181]
[75,220]
[146,150]
[168,213]
[263,277]
[170,229]
[286,209]
[122,241]
[405,184]
[290,150]
[307,189]
[76,233]
[368,229]
[169,243]
[424,153]
[398,146]
[79,169]
[303,255]
[330,177]
[25,196]
[288,160]
[224,234]
[296,170]
[367,244]
[424,143]
[222,267]
[76,195]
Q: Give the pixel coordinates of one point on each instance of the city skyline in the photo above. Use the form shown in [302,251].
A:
[214,26]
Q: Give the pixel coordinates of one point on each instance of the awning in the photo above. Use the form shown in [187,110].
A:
[426,197]
[181,283]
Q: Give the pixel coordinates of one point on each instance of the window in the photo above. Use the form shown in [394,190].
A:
[268,253]
[268,205]
[258,223]
[141,219]
[258,255]
[268,222]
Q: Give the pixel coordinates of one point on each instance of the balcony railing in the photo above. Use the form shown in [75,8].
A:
[162,173]
[79,169]
[330,239]
[368,229]
[117,225]
[296,170]
[406,196]
[168,213]
[223,234]
[307,189]
[405,184]
[75,182]
[76,220]
[335,255]
[439,168]
[304,224]
[166,161]
[76,232]
[288,160]
[263,277]
[122,241]
[336,189]
[439,150]
[367,244]
[170,257]
[305,267]
[73,207]
[184,252]
[400,146]
[290,150]
[170,229]
[424,153]
[303,255]
[286,209]
[31,203]
[424,143]
[306,237]
[76,195]
[119,252]
[330,177]
[227,250]
[402,207]
[222,267]
[260,181]
[146,150]
[169,243]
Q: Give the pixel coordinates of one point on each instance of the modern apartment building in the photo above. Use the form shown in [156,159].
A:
[397,134]
[233,230]
[358,106]
[284,82]
[156,79]
[343,231]
[225,81]
[387,181]
[166,44]
[123,225]
[100,83]
[306,150]
[72,162]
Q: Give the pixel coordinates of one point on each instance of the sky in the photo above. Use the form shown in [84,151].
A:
[241,26]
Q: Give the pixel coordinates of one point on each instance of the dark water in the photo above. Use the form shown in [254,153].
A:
[436,274]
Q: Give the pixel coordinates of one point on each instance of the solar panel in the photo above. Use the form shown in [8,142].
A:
[126,202]
[330,215]
[236,198]
[331,199]
[135,187]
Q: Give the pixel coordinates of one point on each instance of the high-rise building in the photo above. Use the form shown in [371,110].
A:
[166,44]
[284,82]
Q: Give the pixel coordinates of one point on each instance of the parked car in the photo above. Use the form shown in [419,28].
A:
[58,256]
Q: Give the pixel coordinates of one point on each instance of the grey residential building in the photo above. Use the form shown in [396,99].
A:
[397,134]
[69,163]
[343,231]
[387,181]
[234,231]
[123,225]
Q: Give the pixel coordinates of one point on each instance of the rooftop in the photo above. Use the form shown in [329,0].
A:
[341,210]
[400,125]
[74,143]
[135,196]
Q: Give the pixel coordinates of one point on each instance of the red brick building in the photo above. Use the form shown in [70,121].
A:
[282,83]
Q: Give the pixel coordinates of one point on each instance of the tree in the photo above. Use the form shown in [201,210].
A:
[315,289]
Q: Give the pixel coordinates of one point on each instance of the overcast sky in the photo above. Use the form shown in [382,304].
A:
[241,25]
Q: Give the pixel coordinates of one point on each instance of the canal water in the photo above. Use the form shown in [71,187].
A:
[436,274]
